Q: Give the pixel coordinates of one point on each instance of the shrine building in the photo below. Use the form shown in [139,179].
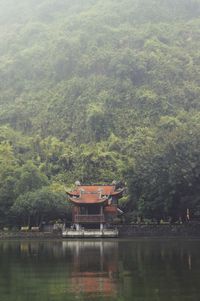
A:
[95,207]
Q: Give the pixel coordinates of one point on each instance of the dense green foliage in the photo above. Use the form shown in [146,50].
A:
[97,90]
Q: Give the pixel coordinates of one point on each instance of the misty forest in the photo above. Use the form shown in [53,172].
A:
[96,91]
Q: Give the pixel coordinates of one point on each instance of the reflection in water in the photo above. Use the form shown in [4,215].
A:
[94,267]
[189,262]
[138,270]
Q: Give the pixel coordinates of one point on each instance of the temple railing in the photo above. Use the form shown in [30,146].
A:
[89,218]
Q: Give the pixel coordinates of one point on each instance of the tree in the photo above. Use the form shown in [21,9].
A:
[42,205]
[29,178]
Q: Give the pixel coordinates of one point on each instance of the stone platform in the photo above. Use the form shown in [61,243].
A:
[87,233]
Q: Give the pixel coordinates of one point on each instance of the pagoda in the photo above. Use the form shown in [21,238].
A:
[94,209]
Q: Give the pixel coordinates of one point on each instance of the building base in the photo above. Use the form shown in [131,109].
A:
[93,233]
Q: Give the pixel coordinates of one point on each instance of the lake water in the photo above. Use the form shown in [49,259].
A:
[121,270]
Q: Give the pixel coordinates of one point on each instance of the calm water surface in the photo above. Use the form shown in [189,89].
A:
[118,270]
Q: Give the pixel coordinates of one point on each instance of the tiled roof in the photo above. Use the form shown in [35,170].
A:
[104,189]
[93,194]
[88,198]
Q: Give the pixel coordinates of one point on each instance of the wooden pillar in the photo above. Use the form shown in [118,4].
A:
[101,224]
[77,226]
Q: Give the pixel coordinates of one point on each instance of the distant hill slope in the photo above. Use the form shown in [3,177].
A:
[85,69]
[103,89]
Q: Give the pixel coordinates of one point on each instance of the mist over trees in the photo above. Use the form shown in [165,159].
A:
[98,91]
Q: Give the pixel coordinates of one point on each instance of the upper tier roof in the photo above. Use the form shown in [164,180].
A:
[93,194]
[104,189]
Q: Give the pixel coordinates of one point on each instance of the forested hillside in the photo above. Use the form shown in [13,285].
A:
[96,91]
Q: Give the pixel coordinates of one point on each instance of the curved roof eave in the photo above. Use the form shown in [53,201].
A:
[80,201]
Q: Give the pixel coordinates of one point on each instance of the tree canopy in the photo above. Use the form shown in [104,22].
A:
[98,91]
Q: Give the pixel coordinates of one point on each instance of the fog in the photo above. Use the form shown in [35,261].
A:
[96,91]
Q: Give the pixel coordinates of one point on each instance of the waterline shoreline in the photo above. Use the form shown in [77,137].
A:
[190,230]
